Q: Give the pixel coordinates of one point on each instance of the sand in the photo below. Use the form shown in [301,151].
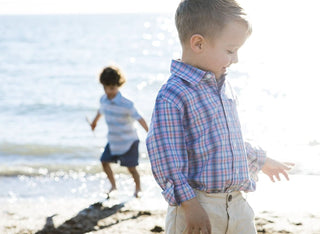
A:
[120,218]
[285,214]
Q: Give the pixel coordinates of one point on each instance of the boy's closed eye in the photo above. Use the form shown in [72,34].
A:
[230,52]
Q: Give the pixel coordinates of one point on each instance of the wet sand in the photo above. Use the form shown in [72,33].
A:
[119,218]
[277,211]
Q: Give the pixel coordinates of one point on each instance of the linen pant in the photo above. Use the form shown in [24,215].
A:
[229,213]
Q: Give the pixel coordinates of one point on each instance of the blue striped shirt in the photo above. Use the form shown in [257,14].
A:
[195,139]
[120,115]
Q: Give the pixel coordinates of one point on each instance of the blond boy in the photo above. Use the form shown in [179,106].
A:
[195,143]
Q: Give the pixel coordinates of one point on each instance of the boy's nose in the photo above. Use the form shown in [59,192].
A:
[235,58]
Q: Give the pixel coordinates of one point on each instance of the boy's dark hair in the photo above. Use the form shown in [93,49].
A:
[207,17]
[112,76]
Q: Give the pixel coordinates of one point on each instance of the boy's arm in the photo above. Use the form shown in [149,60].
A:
[258,160]
[95,120]
[169,160]
[168,152]
[143,123]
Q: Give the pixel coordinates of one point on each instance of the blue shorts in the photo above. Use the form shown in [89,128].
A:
[128,159]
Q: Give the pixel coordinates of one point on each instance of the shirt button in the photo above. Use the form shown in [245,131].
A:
[208,76]
[229,198]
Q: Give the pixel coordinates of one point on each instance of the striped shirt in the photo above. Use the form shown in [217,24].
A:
[195,139]
[120,115]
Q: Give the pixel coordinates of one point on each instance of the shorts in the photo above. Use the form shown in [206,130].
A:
[128,159]
[229,213]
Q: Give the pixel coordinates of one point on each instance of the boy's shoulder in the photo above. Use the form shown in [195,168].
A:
[183,81]
[125,101]
[118,100]
[176,90]
[103,98]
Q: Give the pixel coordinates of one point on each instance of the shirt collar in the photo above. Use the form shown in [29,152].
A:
[116,99]
[189,73]
[221,82]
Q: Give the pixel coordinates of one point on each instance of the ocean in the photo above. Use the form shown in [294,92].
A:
[49,67]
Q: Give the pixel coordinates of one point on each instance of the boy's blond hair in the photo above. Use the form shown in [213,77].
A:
[207,17]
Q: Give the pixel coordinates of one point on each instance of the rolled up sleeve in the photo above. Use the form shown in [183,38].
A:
[168,153]
[256,159]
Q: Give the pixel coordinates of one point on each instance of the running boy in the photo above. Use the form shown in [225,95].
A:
[195,143]
[120,114]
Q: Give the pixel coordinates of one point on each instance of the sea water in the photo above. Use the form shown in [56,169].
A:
[49,67]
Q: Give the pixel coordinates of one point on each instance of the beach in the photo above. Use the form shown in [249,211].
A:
[94,219]
[51,180]
[279,209]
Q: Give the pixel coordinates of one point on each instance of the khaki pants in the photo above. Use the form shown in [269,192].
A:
[229,213]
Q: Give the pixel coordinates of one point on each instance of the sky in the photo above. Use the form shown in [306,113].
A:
[85,6]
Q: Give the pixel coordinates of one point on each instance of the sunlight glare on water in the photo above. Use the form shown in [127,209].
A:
[49,89]
[279,92]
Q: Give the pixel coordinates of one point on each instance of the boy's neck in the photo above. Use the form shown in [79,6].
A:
[112,96]
[192,59]
[189,58]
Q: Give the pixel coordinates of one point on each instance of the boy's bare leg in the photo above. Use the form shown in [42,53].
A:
[108,171]
[136,178]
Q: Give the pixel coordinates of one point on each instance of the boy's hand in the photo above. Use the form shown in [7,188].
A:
[93,125]
[274,168]
[197,220]
[94,122]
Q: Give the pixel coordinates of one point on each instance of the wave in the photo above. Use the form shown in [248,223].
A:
[41,150]
[40,107]
[39,159]
[64,168]
[58,160]
[48,169]
[32,159]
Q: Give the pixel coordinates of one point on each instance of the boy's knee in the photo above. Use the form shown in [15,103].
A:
[105,164]
[132,170]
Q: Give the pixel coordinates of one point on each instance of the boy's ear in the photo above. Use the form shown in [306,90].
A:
[197,43]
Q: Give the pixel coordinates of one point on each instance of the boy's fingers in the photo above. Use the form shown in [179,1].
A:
[189,230]
[203,231]
[285,175]
[271,178]
[289,164]
[206,229]
[209,228]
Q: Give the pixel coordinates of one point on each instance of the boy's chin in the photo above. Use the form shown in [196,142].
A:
[221,75]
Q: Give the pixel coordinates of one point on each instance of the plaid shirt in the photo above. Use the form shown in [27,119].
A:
[195,139]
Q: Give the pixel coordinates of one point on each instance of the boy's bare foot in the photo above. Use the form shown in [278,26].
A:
[112,189]
[137,193]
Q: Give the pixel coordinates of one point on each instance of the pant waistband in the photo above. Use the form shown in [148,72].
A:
[231,196]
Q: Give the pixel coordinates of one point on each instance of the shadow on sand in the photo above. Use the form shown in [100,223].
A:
[86,220]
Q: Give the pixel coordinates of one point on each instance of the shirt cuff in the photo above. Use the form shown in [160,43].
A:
[176,194]
[256,159]
[261,158]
